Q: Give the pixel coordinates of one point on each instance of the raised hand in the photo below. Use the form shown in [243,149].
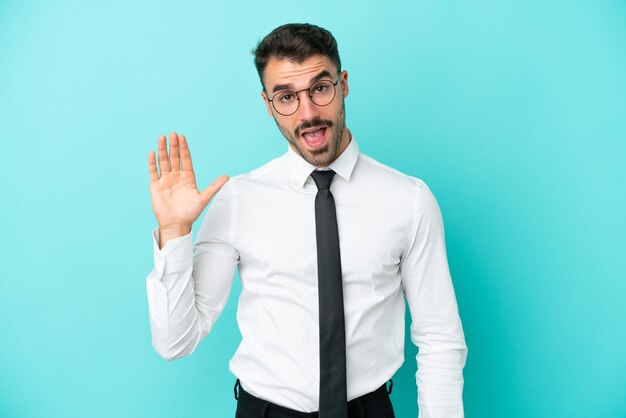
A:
[176,201]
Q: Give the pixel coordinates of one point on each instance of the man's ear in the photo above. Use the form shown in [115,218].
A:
[344,83]
[267,103]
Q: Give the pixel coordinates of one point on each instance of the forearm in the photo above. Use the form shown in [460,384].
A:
[438,332]
[188,289]
[440,381]
[174,318]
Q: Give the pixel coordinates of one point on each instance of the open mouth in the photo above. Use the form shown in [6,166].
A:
[315,138]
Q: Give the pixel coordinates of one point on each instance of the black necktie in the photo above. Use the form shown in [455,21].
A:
[333,402]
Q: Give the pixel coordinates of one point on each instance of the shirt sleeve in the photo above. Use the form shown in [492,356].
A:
[436,327]
[190,284]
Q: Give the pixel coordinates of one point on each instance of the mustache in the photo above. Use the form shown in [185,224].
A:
[317,122]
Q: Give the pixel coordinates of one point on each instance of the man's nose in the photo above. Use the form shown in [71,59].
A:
[307,109]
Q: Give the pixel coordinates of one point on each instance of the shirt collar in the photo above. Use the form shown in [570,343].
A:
[343,165]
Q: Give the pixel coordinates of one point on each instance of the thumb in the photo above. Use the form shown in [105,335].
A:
[209,192]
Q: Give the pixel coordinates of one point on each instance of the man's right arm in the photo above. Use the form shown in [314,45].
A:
[189,284]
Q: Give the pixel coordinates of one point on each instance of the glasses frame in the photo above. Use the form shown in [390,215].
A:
[297,93]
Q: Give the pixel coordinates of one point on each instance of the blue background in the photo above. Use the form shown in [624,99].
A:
[513,112]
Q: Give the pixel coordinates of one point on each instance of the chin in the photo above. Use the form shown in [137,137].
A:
[321,157]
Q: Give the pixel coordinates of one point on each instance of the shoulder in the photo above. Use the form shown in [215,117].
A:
[265,175]
[265,171]
[389,178]
[407,196]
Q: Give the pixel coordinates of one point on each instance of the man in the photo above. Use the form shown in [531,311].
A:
[328,242]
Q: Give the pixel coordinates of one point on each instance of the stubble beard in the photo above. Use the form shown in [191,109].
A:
[323,156]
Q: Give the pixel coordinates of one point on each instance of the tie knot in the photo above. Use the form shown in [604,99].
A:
[322,179]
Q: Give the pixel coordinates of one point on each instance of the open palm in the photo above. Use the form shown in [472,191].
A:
[176,200]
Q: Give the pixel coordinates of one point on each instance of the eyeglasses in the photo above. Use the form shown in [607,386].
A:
[287,102]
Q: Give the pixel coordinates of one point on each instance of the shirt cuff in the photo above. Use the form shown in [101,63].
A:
[175,256]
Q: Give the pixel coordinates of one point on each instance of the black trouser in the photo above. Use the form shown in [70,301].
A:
[375,404]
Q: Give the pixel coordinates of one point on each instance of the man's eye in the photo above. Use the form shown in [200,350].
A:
[320,88]
[286,98]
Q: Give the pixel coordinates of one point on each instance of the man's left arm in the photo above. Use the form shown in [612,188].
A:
[436,327]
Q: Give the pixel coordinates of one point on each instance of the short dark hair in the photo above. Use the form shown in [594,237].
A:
[295,42]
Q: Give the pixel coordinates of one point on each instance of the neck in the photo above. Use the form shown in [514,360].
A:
[346,138]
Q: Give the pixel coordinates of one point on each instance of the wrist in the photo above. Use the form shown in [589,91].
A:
[172,232]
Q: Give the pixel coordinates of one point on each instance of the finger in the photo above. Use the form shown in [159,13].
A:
[163,163]
[152,169]
[210,191]
[174,155]
[185,154]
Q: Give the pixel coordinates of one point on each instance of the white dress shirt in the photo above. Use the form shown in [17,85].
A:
[392,246]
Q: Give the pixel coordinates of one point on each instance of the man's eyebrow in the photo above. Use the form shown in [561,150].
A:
[289,86]
[322,74]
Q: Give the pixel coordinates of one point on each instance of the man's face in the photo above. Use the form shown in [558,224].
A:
[315,132]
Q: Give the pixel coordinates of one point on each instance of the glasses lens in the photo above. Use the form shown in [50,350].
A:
[322,93]
[285,102]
